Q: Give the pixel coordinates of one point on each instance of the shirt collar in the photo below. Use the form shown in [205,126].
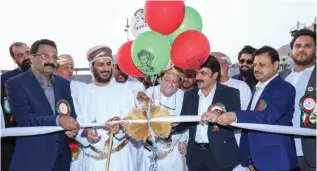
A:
[307,69]
[200,93]
[41,80]
[262,85]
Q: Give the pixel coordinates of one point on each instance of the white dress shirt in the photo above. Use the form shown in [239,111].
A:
[259,89]
[204,103]
[299,80]
[244,89]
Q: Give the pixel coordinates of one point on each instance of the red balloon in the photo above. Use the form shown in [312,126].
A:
[164,16]
[125,60]
[190,49]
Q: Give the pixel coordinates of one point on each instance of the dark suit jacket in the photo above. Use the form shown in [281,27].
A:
[7,143]
[308,143]
[4,78]
[270,151]
[30,107]
[223,145]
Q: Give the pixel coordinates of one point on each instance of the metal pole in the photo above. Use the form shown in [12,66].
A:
[127,26]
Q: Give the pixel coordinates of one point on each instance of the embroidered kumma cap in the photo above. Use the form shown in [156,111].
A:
[65,59]
[175,70]
[98,52]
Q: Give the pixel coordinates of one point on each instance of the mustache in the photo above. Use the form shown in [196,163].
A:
[122,74]
[27,61]
[200,81]
[101,72]
[302,53]
[50,64]
[244,66]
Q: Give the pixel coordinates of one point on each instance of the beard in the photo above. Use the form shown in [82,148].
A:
[25,65]
[121,77]
[310,59]
[246,73]
[98,78]
[186,84]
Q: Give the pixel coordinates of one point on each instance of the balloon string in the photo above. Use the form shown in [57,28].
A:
[153,158]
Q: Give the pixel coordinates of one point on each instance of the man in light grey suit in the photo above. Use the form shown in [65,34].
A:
[303,78]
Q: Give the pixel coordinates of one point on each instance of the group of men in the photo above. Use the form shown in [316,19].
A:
[41,92]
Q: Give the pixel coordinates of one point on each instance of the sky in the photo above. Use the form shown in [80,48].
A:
[76,26]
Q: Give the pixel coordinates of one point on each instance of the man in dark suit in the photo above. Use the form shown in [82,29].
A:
[210,147]
[303,78]
[272,103]
[37,97]
[20,53]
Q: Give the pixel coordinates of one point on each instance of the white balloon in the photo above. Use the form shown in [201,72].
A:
[138,23]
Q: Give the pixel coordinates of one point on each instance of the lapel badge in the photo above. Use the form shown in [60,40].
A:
[310,89]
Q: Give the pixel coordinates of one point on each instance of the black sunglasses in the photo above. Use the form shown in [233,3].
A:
[249,61]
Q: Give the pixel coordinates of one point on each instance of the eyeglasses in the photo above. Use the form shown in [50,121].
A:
[46,56]
[249,61]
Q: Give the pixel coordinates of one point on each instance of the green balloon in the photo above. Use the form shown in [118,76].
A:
[150,52]
[192,21]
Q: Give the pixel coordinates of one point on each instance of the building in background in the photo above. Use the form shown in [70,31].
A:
[285,57]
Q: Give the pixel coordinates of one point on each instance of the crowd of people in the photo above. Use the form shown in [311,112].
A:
[42,92]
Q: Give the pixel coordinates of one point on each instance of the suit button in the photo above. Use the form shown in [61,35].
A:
[224,141]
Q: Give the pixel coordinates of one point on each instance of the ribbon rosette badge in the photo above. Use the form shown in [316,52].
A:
[220,108]
[63,107]
[307,105]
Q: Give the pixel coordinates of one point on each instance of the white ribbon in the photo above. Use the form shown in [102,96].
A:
[28,131]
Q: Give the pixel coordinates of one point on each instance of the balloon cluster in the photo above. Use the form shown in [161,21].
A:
[166,33]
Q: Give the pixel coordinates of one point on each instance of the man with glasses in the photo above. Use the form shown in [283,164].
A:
[272,104]
[189,80]
[245,58]
[37,97]
[20,53]
[169,96]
